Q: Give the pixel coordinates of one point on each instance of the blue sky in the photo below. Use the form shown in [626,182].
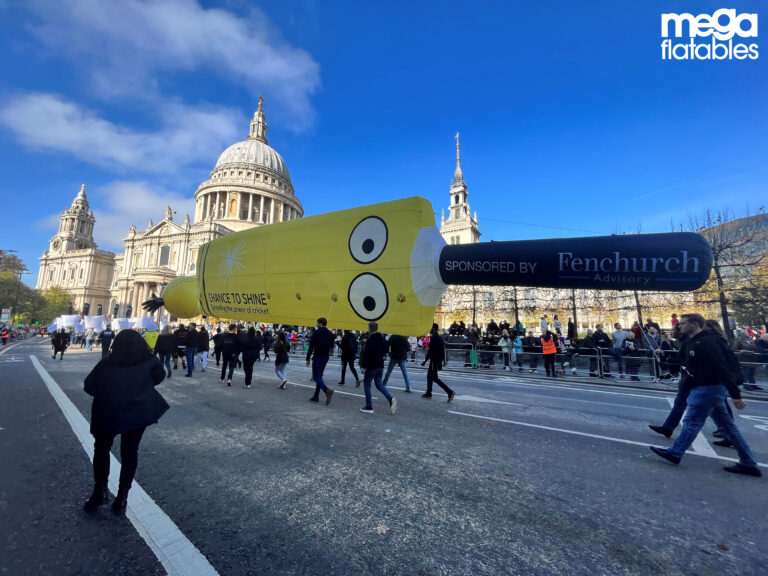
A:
[571,123]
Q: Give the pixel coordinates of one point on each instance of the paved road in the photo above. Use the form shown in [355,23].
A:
[516,476]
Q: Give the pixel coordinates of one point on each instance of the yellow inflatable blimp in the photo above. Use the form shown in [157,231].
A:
[388,263]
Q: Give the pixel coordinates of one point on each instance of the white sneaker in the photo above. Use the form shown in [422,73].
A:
[393,405]
[573,371]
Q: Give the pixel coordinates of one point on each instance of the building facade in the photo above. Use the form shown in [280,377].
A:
[249,186]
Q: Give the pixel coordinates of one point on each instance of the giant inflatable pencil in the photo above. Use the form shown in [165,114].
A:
[387,262]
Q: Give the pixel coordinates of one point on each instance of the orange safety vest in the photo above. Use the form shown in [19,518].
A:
[548,346]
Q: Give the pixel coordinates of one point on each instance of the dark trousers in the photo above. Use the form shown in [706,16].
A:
[217,354]
[104,352]
[129,457]
[248,368]
[228,361]
[433,377]
[318,367]
[351,364]
[549,364]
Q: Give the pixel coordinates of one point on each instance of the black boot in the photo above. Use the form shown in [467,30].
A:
[99,498]
[121,502]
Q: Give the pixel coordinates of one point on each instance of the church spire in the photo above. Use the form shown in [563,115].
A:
[458,175]
[258,124]
[81,194]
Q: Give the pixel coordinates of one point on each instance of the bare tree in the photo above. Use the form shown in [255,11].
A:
[738,246]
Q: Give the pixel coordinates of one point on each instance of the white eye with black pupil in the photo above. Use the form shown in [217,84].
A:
[368,240]
[368,296]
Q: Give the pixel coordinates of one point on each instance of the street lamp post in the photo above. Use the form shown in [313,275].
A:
[16,301]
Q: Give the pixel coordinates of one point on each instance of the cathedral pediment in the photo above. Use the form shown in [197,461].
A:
[164,228]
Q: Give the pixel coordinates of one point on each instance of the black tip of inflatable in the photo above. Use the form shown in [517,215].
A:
[153,304]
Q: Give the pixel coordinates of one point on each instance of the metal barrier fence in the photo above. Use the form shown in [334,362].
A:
[642,364]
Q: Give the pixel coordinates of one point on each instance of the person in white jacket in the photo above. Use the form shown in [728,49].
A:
[507,351]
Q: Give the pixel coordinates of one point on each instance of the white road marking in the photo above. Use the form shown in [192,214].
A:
[485,400]
[178,555]
[700,444]
[714,455]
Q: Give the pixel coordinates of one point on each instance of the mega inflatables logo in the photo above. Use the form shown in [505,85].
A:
[712,37]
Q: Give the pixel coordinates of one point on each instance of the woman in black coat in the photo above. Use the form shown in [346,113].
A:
[165,347]
[251,353]
[125,402]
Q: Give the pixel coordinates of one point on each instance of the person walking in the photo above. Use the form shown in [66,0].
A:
[268,341]
[60,342]
[181,334]
[282,347]
[217,346]
[190,349]
[203,346]
[90,336]
[436,359]
[106,337]
[710,381]
[549,351]
[231,344]
[251,353]
[164,347]
[348,346]
[125,402]
[319,350]
[372,364]
[398,356]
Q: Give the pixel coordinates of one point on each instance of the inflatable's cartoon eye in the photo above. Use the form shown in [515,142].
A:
[368,297]
[368,240]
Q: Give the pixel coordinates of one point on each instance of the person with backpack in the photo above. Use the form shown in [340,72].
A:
[348,347]
[711,378]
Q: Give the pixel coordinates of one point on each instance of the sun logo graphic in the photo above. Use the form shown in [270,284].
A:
[231,262]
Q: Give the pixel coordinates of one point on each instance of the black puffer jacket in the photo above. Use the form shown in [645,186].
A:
[124,397]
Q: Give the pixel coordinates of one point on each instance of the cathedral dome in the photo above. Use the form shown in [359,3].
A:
[253,154]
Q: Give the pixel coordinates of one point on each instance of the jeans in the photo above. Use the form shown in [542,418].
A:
[280,371]
[190,353]
[403,369]
[375,375]
[202,358]
[165,359]
[704,401]
[129,457]
[681,403]
[89,345]
[318,366]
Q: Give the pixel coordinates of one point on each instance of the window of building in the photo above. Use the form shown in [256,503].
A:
[81,273]
[72,274]
[165,252]
[50,276]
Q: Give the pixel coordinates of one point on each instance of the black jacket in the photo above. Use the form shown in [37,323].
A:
[252,348]
[375,350]
[708,361]
[436,352]
[348,347]
[166,344]
[203,341]
[320,343]
[231,344]
[124,397]
[398,347]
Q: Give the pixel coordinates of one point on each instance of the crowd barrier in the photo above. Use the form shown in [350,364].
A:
[642,364]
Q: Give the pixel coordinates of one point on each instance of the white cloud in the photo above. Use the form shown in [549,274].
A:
[188,135]
[122,203]
[127,46]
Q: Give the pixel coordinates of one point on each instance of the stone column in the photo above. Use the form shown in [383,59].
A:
[226,205]
[272,211]
[261,209]
[239,205]
[250,207]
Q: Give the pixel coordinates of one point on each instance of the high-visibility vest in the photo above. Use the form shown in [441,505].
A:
[548,346]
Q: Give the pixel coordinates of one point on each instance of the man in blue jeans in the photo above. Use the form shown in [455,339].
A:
[398,356]
[320,345]
[372,363]
[710,382]
[190,350]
